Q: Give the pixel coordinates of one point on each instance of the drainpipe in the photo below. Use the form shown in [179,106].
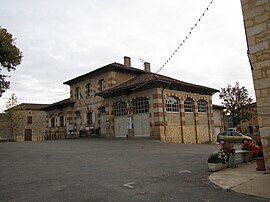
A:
[209,112]
[181,123]
[163,110]
[195,125]
[164,115]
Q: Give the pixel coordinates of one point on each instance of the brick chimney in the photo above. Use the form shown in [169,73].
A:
[147,67]
[127,61]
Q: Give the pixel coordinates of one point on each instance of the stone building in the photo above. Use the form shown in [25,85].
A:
[256,15]
[60,120]
[251,126]
[219,122]
[121,101]
[25,122]
[5,134]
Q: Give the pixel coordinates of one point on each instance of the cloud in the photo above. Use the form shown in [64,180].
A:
[63,39]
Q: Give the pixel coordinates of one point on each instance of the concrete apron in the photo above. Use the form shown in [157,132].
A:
[243,179]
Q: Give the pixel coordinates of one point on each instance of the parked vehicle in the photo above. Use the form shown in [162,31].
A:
[232,136]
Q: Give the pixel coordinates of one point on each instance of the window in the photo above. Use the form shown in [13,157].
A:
[102,110]
[61,121]
[120,109]
[189,105]
[88,89]
[53,122]
[29,120]
[90,118]
[78,93]
[78,114]
[101,84]
[172,104]
[202,106]
[140,105]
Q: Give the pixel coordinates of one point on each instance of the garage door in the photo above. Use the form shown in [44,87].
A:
[141,125]
[120,126]
[141,121]
[120,119]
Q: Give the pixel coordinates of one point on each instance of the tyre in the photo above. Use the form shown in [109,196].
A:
[222,141]
[244,141]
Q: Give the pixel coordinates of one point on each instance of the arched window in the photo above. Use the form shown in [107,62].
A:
[202,106]
[140,105]
[52,121]
[172,104]
[189,105]
[120,109]
[61,120]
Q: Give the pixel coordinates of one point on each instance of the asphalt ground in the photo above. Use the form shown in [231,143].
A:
[99,169]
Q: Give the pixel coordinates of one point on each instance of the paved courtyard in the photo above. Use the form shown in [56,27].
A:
[108,170]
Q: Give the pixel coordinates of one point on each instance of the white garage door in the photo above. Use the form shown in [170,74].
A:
[120,126]
[141,125]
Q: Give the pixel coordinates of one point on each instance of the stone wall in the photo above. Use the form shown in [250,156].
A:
[257,22]
[37,126]
[183,127]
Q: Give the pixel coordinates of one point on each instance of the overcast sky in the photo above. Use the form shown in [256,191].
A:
[62,39]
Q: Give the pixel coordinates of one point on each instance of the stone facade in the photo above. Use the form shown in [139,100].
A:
[251,126]
[121,101]
[257,23]
[26,122]
[184,127]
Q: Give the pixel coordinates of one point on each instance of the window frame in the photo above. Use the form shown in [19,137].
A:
[120,108]
[202,106]
[53,122]
[29,119]
[77,92]
[88,89]
[172,104]
[140,105]
[61,121]
[101,84]
[189,105]
[89,118]
[102,110]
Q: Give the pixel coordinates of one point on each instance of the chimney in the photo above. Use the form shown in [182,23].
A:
[127,61]
[147,67]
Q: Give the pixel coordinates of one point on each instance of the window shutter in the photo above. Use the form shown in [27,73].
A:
[64,121]
[93,117]
[85,118]
[58,121]
[50,123]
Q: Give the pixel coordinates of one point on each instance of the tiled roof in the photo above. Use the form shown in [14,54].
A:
[30,106]
[113,66]
[57,105]
[150,78]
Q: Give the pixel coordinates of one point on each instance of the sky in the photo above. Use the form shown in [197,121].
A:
[62,39]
